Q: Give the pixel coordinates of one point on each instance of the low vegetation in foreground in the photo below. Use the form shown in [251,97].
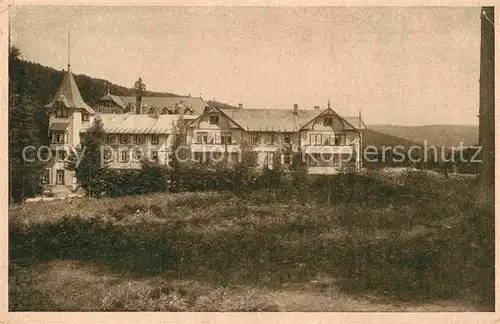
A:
[341,243]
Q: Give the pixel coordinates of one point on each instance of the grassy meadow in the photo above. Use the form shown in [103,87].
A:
[413,242]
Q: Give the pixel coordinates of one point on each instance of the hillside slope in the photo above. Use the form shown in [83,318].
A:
[40,83]
[379,139]
[439,135]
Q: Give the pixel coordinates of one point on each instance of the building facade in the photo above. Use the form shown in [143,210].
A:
[143,127]
[326,141]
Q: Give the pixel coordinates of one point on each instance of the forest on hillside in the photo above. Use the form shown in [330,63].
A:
[41,83]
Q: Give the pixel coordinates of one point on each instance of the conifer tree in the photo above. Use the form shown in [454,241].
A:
[90,171]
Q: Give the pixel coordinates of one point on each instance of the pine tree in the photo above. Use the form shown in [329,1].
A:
[91,170]
[28,129]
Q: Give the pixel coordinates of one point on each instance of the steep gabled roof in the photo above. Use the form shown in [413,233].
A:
[347,125]
[69,94]
[283,120]
[195,104]
[280,120]
[116,99]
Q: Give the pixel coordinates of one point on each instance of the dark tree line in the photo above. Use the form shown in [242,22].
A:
[28,126]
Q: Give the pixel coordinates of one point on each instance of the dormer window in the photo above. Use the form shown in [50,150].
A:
[59,137]
[328,121]
[124,139]
[61,112]
[109,139]
[85,117]
[214,120]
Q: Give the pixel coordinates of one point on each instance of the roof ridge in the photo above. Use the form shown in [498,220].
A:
[69,90]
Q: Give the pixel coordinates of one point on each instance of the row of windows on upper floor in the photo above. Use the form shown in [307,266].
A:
[61,137]
[131,139]
[211,138]
[270,139]
[123,155]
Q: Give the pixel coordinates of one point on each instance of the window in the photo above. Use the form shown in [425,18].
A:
[124,156]
[271,138]
[61,112]
[138,139]
[60,176]
[255,138]
[46,176]
[226,138]
[85,117]
[137,155]
[288,138]
[315,139]
[59,138]
[154,156]
[327,121]
[44,155]
[62,155]
[269,158]
[202,137]
[155,139]
[108,155]
[110,139]
[330,139]
[214,120]
[124,139]
[339,140]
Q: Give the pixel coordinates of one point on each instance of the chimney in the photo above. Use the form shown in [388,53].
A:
[240,105]
[295,108]
[316,107]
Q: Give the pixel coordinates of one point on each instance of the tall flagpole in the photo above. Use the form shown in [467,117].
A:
[69,48]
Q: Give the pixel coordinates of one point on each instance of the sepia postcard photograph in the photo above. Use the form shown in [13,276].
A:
[251,159]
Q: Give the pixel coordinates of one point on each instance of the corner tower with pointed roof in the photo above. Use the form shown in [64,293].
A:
[69,114]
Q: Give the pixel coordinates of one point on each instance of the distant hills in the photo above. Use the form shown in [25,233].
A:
[379,139]
[438,135]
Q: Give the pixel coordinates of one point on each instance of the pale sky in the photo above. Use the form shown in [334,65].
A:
[406,66]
